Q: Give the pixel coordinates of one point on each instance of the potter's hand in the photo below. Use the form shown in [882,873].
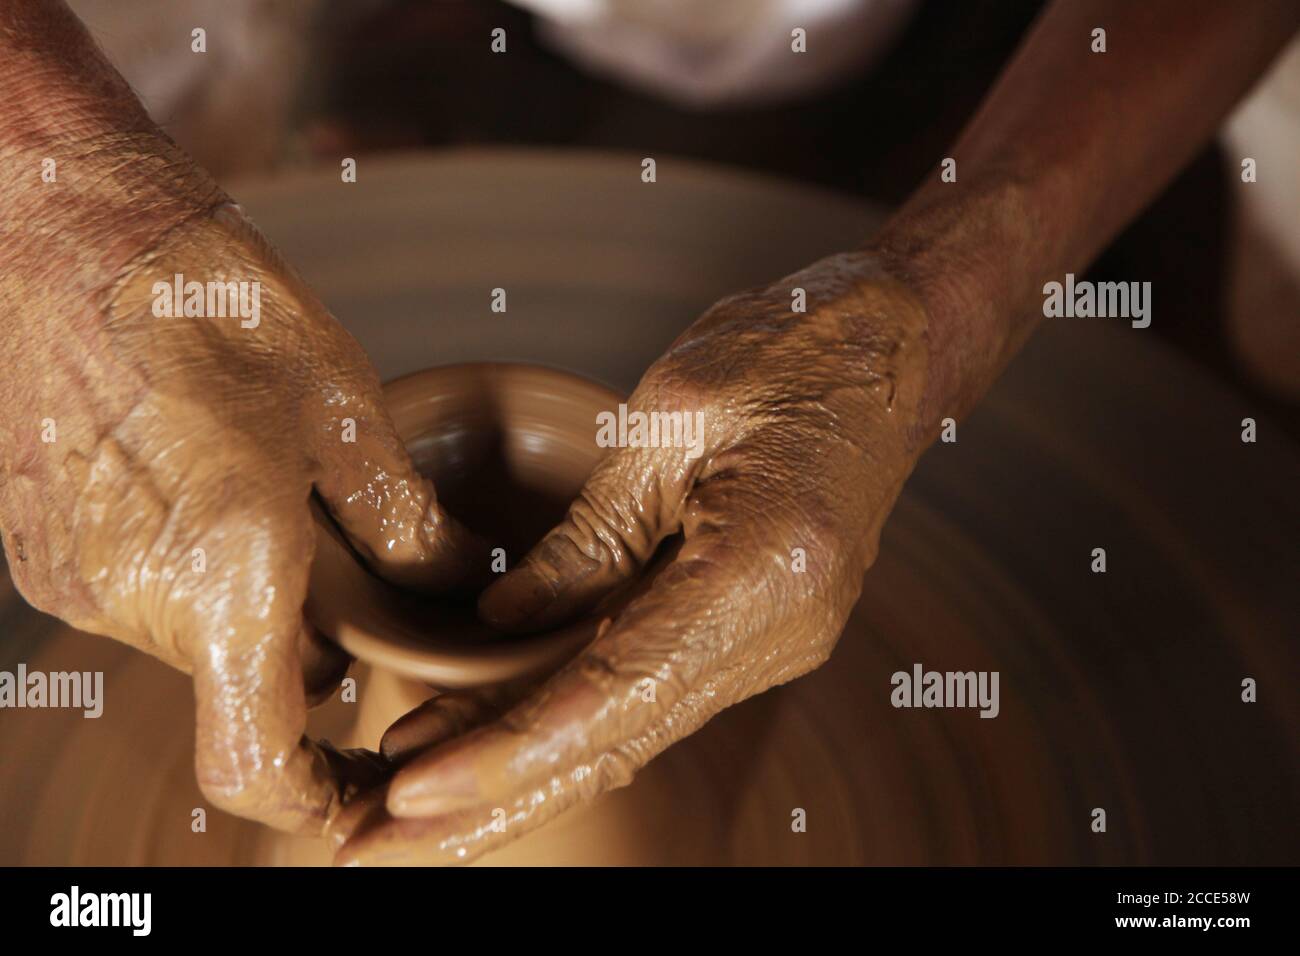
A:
[808,433]
[157,472]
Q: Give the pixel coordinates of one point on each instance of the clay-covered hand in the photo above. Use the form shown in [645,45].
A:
[809,428]
[157,473]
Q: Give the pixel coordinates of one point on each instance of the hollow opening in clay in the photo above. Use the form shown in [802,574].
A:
[507,485]
[507,447]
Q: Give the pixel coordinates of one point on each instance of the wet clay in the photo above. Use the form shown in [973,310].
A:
[809,424]
[508,447]
[1113,687]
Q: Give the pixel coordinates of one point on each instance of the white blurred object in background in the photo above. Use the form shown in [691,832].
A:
[230,106]
[1263,307]
[711,53]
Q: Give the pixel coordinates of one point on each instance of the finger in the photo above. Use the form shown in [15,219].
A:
[463,836]
[324,664]
[698,612]
[631,502]
[446,716]
[357,770]
[363,812]
[388,511]
[252,758]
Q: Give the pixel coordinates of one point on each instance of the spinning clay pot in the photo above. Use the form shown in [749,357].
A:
[507,447]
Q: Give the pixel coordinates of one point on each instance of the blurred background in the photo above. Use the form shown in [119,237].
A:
[1120,690]
[291,83]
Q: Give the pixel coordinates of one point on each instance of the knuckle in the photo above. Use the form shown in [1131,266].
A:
[677,385]
[601,528]
[236,784]
[230,787]
[817,654]
[613,770]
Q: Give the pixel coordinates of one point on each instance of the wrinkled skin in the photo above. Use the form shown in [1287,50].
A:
[811,426]
[177,434]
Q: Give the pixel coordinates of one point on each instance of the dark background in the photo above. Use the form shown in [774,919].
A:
[419,74]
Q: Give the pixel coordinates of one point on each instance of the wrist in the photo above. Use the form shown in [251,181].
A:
[87,181]
[97,201]
[974,259]
[55,84]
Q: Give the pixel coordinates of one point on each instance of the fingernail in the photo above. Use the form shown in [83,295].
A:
[443,786]
[397,744]
[512,601]
[412,734]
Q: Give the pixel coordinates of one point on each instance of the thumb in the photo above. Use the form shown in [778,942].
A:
[631,502]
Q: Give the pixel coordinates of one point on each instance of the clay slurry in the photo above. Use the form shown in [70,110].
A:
[507,447]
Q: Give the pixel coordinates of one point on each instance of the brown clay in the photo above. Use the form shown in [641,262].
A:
[508,446]
[808,425]
[1112,695]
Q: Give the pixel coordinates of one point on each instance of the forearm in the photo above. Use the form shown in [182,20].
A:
[87,181]
[1066,149]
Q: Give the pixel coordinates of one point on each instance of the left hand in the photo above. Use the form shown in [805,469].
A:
[810,427]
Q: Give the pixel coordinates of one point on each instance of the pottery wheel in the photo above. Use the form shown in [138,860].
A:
[1119,690]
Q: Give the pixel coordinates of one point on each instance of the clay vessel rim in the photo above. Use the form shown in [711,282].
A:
[399,632]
